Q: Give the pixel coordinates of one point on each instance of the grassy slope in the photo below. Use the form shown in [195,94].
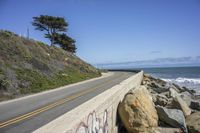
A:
[28,66]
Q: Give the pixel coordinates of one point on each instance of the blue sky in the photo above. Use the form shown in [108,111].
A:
[111,32]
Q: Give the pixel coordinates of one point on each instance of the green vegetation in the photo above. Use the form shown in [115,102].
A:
[28,66]
[66,42]
[54,28]
[40,82]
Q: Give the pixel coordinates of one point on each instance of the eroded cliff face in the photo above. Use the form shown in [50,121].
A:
[160,107]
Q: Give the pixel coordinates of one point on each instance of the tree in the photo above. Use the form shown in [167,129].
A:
[51,25]
[65,42]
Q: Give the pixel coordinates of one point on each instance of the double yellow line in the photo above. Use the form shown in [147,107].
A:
[52,105]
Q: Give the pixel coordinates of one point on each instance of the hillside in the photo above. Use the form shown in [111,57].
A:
[28,66]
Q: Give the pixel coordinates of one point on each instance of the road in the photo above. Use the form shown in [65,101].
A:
[27,114]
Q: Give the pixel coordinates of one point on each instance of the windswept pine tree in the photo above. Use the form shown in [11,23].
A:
[55,28]
[65,42]
[51,25]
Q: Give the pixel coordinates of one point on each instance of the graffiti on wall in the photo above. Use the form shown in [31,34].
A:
[94,124]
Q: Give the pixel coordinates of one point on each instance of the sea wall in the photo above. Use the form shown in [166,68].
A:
[99,114]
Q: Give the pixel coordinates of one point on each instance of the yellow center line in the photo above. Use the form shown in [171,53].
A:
[52,105]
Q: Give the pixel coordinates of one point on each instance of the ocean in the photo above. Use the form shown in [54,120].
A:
[183,76]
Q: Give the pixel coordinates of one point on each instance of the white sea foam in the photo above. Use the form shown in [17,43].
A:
[193,83]
[184,80]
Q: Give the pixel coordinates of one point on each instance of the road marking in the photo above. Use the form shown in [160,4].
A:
[52,105]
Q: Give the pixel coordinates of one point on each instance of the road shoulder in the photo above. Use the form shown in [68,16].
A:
[104,75]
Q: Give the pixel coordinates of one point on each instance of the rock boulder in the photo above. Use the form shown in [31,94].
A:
[172,117]
[137,111]
[179,102]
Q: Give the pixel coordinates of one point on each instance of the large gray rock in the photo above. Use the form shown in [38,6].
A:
[137,111]
[172,117]
[193,123]
[179,102]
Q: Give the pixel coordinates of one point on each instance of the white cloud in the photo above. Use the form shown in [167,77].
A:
[181,61]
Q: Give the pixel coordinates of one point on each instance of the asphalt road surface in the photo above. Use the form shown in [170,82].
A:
[29,113]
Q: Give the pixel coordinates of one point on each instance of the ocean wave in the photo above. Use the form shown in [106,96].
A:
[184,80]
[192,83]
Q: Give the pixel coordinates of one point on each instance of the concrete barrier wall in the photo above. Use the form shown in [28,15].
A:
[99,114]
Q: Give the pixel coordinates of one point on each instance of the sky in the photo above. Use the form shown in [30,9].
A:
[118,33]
